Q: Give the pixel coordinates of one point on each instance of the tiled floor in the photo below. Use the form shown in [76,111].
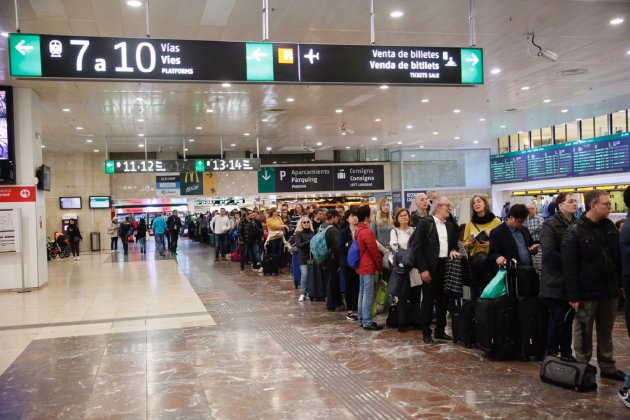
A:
[190,338]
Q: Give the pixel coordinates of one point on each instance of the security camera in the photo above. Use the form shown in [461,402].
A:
[549,55]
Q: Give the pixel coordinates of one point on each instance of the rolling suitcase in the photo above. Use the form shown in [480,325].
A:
[316,281]
[496,327]
[295,269]
[463,313]
[271,264]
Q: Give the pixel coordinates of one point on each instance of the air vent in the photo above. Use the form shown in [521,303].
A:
[511,110]
[275,110]
[572,72]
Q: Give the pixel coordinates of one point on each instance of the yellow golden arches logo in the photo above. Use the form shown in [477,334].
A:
[191,176]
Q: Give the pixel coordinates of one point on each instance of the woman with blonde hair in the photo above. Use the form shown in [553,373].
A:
[303,235]
[275,236]
[477,239]
[382,224]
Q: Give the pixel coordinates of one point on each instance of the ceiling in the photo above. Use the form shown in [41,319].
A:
[578,30]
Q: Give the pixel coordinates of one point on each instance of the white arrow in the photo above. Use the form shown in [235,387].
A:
[266,176]
[474,59]
[22,49]
[257,55]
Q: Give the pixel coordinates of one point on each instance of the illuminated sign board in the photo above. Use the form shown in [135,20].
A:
[191,165]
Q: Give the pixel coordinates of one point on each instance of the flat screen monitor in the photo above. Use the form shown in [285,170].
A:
[100,201]
[7,148]
[69,203]
[43,178]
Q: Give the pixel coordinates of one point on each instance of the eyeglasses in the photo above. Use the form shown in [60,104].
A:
[306,223]
[569,202]
[608,204]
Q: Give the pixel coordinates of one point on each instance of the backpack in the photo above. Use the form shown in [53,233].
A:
[319,248]
[354,255]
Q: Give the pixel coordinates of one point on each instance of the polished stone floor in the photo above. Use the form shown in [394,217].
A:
[139,337]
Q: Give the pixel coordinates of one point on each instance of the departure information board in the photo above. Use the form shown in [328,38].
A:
[84,57]
[601,155]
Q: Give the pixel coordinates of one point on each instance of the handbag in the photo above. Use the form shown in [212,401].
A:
[381,300]
[387,265]
[415,278]
[496,288]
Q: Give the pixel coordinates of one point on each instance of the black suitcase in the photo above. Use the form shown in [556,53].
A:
[532,320]
[527,280]
[271,264]
[496,327]
[316,281]
[463,313]
[570,374]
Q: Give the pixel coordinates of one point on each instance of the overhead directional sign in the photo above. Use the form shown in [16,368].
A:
[197,165]
[321,178]
[84,57]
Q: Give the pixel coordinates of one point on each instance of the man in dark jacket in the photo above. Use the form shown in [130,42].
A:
[590,261]
[433,242]
[331,264]
[511,239]
[174,226]
[552,287]
[248,236]
[624,248]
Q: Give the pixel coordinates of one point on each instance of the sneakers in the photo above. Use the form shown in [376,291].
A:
[352,317]
[242,271]
[624,396]
[260,270]
[373,327]
[76,258]
[301,298]
[443,336]
[616,375]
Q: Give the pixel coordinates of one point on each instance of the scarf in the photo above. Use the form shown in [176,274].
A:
[487,218]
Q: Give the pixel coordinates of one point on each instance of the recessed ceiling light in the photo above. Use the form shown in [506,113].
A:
[435,133]
[65,109]
[347,147]
[198,128]
[547,101]
[502,126]
[616,21]
[264,120]
[274,162]
[185,150]
[139,99]
[338,111]
[422,147]
[525,88]
[233,145]
[456,137]
[5,34]
[399,142]
[409,127]
[140,135]
[476,142]
[209,111]
[96,150]
[140,120]
[424,101]
[564,110]
[89,141]
[141,145]
[43,147]
[225,85]
[290,100]
[628,52]
[134,3]
[268,147]
[383,87]
[343,133]
[396,14]
[413,155]
[377,120]
[79,128]
[319,143]
[191,140]
[308,127]
[495,71]
[457,111]
[374,138]
[246,134]
[482,119]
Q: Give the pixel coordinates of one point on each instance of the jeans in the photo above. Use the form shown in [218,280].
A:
[74,243]
[626,383]
[366,298]
[221,246]
[303,276]
[143,243]
[159,243]
[559,329]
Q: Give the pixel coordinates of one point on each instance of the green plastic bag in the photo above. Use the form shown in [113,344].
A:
[496,288]
[381,300]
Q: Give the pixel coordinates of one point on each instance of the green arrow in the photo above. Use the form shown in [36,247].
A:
[25,55]
[472,65]
[200,165]
[109,166]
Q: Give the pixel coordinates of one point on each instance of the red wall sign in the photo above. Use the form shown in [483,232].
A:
[17,194]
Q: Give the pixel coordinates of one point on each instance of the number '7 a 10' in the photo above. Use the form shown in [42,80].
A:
[101,65]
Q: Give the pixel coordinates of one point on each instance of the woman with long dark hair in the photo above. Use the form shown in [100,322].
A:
[74,234]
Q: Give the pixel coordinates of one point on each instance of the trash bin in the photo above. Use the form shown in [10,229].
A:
[95,241]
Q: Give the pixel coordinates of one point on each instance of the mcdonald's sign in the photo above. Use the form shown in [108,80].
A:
[190,183]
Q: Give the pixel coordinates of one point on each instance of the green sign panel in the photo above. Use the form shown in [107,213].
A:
[200,165]
[109,167]
[259,62]
[267,180]
[472,65]
[25,55]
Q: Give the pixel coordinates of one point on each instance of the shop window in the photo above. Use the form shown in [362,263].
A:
[545,136]
[588,128]
[536,138]
[560,133]
[572,131]
[523,141]
[601,126]
[620,122]
[504,144]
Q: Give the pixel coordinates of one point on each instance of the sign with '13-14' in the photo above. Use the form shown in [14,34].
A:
[321,178]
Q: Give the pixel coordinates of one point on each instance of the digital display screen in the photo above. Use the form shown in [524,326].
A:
[7,151]
[100,202]
[601,155]
[69,203]
[84,57]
